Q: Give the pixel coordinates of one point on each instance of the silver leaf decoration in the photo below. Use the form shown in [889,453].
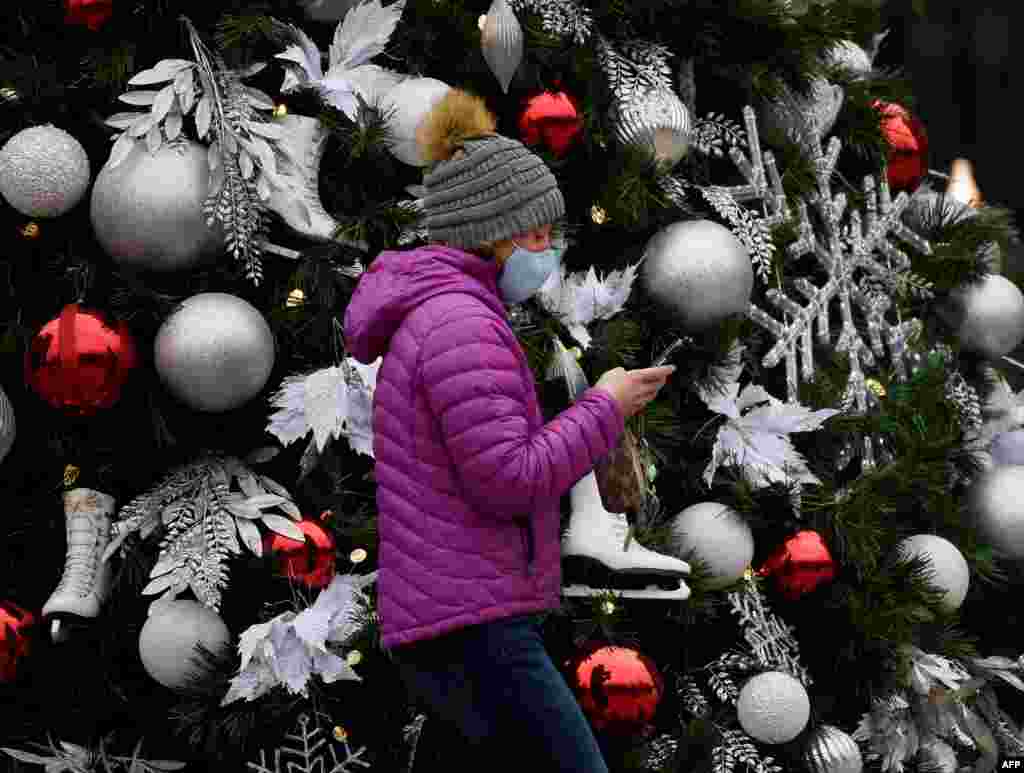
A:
[502,42]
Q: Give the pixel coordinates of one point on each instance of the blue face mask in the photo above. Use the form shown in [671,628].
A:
[525,272]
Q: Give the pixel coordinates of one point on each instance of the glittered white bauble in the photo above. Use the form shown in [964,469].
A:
[850,57]
[44,171]
[773,707]
[995,501]
[8,427]
[147,211]
[717,536]
[657,124]
[698,274]
[947,566]
[830,750]
[1008,447]
[794,117]
[406,105]
[215,352]
[988,316]
[169,636]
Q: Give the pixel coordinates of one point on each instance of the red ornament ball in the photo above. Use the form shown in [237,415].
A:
[908,146]
[551,119]
[618,688]
[801,564]
[80,361]
[311,562]
[16,626]
[90,13]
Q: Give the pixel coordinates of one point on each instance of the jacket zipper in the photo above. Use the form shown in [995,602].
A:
[526,533]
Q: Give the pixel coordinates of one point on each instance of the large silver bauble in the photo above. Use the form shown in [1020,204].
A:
[44,171]
[657,124]
[215,352]
[8,427]
[698,274]
[147,210]
[830,750]
[995,504]
[946,565]
[987,315]
[406,105]
[773,707]
[168,640]
[717,536]
[795,117]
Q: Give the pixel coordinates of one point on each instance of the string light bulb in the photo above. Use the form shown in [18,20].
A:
[296,298]
[482,21]
[962,185]
[354,658]
[608,607]
[357,556]
[280,110]
[598,215]
[30,230]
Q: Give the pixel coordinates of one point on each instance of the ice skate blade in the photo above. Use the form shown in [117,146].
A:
[682,593]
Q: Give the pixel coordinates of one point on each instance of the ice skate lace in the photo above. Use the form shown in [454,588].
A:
[80,562]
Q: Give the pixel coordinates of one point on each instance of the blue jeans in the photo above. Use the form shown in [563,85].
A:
[493,691]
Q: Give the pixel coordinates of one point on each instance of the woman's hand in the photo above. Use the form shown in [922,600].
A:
[633,389]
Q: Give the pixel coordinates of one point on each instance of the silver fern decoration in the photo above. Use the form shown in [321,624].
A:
[561,18]
[243,149]
[638,68]
[205,511]
[715,135]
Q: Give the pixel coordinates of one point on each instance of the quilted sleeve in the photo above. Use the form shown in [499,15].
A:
[472,376]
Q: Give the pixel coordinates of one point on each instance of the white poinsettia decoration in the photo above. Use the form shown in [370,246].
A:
[292,647]
[755,436]
[580,298]
[332,403]
[360,36]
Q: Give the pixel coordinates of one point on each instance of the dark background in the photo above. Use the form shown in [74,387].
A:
[965,63]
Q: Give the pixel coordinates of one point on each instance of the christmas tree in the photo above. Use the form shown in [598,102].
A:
[191,193]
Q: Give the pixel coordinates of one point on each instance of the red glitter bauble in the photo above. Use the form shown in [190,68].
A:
[551,119]
[618,688]
[908,146]
[91,13]
[80,361]
[311,562]
[16,626]
[801,564]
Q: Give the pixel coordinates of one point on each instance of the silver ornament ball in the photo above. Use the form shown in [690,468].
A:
[407,104]
[657,124]
[795,117]
[215,352]
[773,707]
[717,536]
[1008,448]
[147,211]
[994,502]
[698,274]
[947,566]
[44,171]
[8,426]
[830,750]
[987,315]
[169,636]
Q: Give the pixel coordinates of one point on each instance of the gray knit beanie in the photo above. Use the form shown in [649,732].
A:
[486,187]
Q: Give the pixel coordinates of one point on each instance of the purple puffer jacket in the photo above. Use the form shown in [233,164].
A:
[468,475]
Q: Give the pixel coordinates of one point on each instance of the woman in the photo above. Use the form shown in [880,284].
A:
[468,474]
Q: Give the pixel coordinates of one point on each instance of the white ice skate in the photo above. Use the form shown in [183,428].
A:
[86,580]
[597,558]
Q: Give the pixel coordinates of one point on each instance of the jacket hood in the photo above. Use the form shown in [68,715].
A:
[398,282]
